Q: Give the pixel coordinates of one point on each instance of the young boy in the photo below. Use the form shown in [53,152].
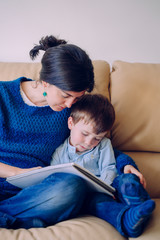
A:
[90,120]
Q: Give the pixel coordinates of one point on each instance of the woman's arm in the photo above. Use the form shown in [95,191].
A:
[125,164]
[131,169]
[122,160]
[7,170]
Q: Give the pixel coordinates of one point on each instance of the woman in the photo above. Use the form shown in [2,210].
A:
[33,119]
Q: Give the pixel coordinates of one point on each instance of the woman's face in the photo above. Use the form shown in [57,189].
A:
[59,99]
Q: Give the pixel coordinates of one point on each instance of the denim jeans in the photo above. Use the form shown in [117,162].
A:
[107,208]
[59,197]
[62,196]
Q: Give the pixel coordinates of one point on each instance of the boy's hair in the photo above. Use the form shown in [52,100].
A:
[95,109]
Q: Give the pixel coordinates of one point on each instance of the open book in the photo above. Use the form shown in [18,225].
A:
[33,177]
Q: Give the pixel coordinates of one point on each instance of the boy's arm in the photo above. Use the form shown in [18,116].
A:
[110,176]
[60,155]
[107,163]
[57,156]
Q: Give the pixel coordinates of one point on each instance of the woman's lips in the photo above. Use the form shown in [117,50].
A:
[60,107]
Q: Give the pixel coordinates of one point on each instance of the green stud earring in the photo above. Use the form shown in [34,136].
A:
[44,94]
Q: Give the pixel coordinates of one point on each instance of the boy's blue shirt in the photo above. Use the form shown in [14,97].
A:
[99,160]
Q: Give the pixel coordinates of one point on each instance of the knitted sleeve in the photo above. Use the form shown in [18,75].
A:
[122,160]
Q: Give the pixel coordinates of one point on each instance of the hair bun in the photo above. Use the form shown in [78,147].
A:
[50,41]
[44,44]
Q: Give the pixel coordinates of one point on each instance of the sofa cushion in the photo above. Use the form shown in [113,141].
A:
[82,228]
[13,70]
[135,95]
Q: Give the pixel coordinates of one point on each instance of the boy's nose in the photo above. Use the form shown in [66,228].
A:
[88,142]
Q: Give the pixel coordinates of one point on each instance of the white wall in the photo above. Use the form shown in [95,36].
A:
[126,30]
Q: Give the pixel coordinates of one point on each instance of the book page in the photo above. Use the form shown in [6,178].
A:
[36,176]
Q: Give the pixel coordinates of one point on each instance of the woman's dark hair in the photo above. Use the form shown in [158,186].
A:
[95,109]
[66,66]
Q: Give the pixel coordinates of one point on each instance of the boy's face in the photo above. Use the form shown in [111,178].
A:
[82,135]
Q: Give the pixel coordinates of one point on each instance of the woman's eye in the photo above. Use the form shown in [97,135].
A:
[64,96]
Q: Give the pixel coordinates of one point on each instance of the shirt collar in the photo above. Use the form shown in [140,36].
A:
[72,149]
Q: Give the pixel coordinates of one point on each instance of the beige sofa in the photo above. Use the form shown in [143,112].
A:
[134,90]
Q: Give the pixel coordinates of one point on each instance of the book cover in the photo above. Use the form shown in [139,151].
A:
[33,177]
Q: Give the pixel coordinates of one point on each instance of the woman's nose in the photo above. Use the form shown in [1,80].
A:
[69,102]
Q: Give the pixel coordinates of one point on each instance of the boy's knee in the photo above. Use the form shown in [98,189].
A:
[125,179]
[76,186]
[128,177]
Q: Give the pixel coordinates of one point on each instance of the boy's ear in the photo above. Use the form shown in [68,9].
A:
[70,123]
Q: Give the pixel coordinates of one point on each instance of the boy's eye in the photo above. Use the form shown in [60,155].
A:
[98,139]
[84,134]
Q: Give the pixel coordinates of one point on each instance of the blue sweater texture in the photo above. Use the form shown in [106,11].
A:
[28,134]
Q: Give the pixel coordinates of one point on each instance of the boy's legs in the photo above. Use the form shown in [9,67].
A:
[129,190]
[129,221]
[105,207]
[59,197]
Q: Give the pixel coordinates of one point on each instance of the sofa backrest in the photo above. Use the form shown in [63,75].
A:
[135,95]
[14,70]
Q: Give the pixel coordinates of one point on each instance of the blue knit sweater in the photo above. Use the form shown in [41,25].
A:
[28,134]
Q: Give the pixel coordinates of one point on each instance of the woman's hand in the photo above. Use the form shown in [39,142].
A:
[8,171]
[23,170]
[131,169]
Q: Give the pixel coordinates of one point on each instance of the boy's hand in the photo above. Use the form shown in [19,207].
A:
[131,169]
